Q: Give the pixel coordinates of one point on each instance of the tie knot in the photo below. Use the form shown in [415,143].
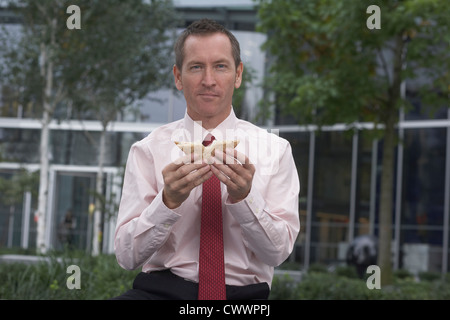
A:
[208,140]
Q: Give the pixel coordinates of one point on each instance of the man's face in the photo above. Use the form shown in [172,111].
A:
[208,77]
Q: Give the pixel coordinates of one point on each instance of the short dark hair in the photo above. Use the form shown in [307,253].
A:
[205,27]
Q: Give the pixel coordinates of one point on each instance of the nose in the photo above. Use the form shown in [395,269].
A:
[208,78]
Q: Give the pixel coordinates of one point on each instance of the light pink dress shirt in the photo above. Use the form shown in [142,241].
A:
[259,231]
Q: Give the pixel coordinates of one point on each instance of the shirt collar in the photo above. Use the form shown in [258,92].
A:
[224,131]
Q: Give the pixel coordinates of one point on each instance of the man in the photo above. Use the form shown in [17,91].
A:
[160,215]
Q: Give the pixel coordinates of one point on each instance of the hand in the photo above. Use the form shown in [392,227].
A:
[181,176]
[235,171]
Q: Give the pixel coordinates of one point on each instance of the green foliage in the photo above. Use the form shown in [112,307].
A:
[429,276]
[318,267]
[13,188]
[403,274]
[248,77]
[333,286]
[346,271]
[283,288]
[120,54]
[101,278]
[330,68]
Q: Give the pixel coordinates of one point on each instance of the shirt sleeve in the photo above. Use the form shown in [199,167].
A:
[144,222]
[269,216]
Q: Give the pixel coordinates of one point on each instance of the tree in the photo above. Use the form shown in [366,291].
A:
[122,52]
[35,70]
[329,67]
[100,69]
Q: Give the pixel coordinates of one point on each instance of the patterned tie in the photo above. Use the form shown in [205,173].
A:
[211,262]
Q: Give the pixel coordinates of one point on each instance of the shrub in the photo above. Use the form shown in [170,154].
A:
[101,278]
[318,267]
[429,276]
[333,286]
[403,274]
[346,271]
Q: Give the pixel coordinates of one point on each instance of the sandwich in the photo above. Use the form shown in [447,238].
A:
[206,152]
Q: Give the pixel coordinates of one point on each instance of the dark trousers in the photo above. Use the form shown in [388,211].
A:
[164,285]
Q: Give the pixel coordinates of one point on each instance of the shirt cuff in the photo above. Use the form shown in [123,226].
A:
[249,209]
[160,214]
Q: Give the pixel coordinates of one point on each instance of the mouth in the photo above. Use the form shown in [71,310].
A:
[208,95]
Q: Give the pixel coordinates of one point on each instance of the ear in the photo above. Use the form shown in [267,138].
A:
[177,78]
[239,72]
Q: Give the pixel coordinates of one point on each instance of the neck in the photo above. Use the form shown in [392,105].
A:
[210,122]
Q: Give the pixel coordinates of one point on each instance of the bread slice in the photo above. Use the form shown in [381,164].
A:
[206,152]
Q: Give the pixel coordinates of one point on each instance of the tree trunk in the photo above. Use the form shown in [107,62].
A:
[387,181]
[43,185]
[386,205]
[43,150]
[46,70]
[97,238]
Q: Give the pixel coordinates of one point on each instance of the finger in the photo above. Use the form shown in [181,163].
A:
[175,172]
[232,156]
[186,182]
[177,191]
[222,176]
[195,179]
[238,163]
[235,191]
[240,157]
[202,178]
[238,179]
[191,168]
[244,166]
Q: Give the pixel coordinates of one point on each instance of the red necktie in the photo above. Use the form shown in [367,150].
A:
[211,262]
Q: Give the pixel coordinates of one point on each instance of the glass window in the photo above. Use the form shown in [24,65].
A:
[19,145]
[419,111]
[331,205]
[81,148]
[363,184]
[300,149]
[12,212]
[72,219]
[423,190]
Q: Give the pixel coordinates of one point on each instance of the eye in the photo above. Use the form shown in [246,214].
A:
[221,66]
[195,67]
